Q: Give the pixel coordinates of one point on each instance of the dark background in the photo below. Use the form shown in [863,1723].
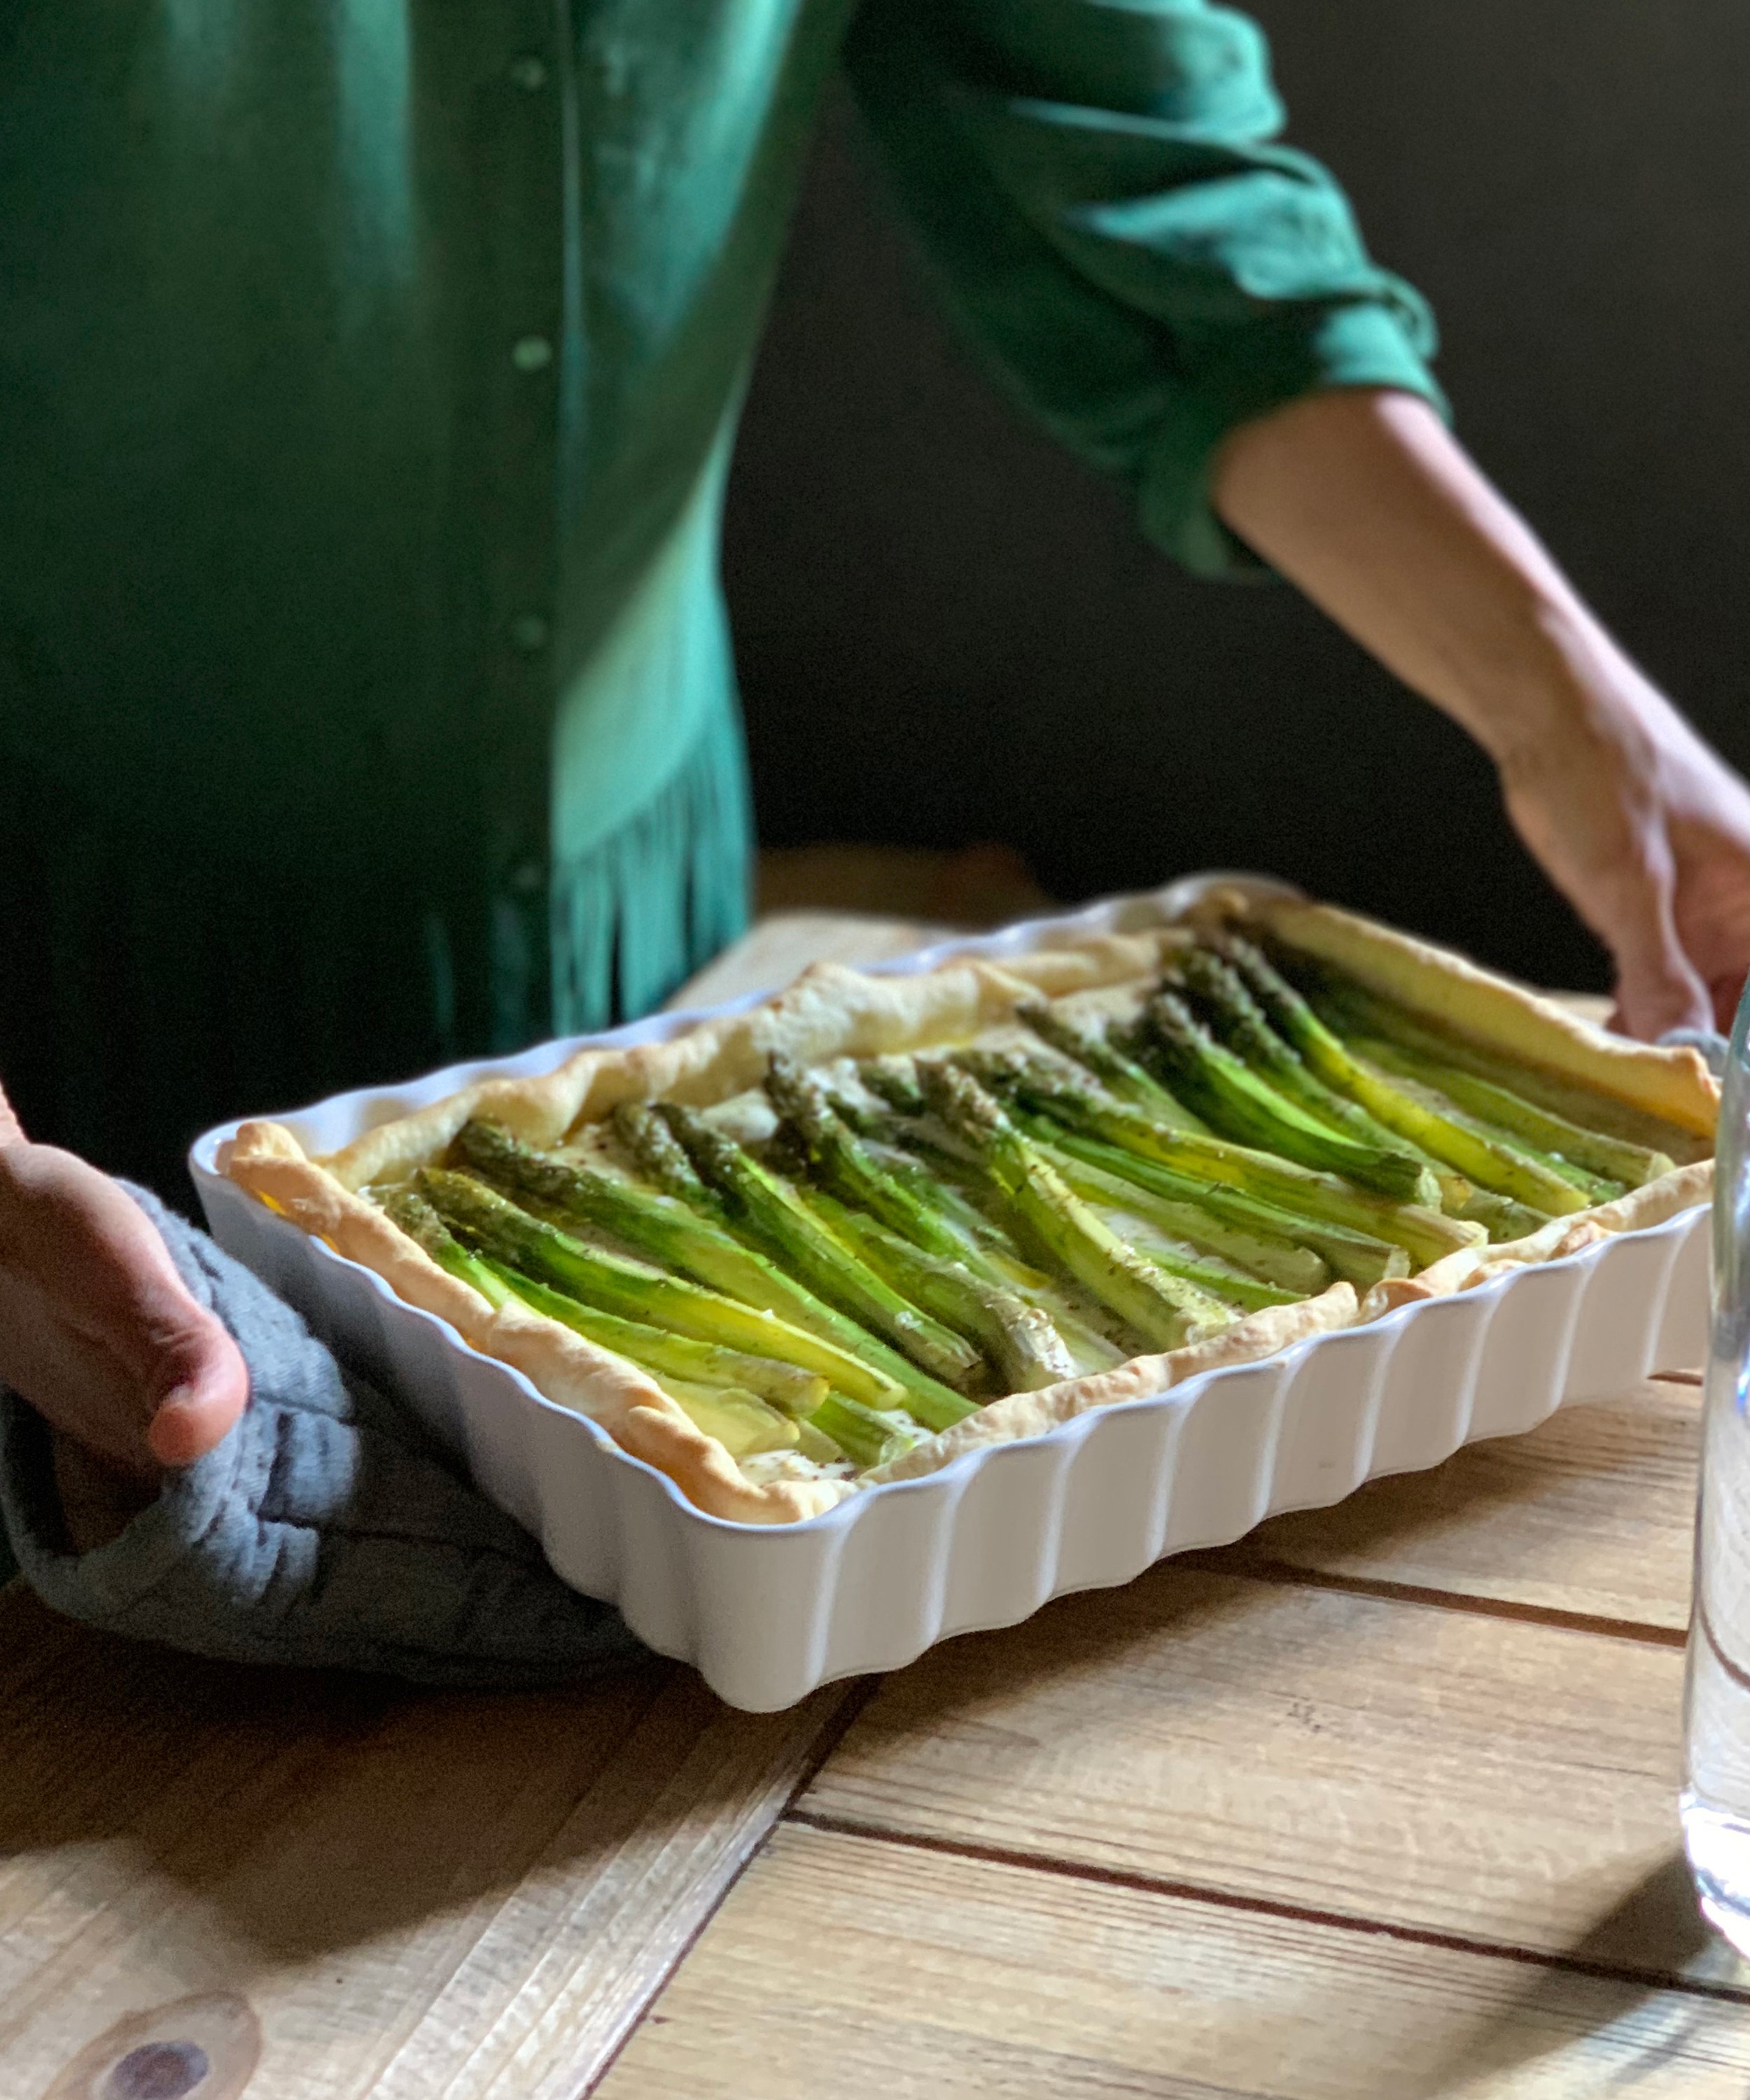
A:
[949,631]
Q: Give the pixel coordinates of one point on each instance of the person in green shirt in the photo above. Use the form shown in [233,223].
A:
[369,379]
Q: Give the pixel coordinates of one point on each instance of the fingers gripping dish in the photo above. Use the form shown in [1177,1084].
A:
[841,1238]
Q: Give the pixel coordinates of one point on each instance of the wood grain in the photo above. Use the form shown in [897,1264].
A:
[1503,1780]
[973,886]
[858,1970]
[1592,1514]
[404,1895]
[415,1894]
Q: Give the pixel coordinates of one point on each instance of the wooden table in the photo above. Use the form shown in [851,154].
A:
[1379,1805]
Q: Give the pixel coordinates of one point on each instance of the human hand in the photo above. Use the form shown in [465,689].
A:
[1646,832]
[98,1332]
[1364,500]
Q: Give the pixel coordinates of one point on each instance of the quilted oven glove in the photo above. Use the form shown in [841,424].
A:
[326,1530]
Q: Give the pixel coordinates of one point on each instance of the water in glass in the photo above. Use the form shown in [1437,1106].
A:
[1716,1802]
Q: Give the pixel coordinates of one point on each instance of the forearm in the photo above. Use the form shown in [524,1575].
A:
[1365,501]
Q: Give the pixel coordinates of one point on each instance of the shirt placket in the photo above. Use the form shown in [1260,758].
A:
[520,144]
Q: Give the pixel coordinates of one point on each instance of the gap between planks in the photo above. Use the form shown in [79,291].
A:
[1280,1575]
[1099,1876]
[849,1709]
[412,1893]
[952,1976]
[1094,1873]
[1283,1574]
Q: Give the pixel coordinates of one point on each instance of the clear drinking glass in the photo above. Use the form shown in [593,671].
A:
[1716,1800]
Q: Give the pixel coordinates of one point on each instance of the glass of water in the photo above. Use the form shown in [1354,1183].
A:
[1716,1801]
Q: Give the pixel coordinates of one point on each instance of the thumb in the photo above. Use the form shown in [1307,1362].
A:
[1591,815]
[1657,986]
[204,1385]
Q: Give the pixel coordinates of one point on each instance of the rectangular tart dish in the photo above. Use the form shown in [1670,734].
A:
[777,1532]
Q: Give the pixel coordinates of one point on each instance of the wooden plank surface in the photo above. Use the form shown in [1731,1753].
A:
[1504,1780]
[860,1971]
[397,1894]
[403,1894]
[1593,1514]
[411,1894]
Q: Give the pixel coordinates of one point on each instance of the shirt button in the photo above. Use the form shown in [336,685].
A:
[528,632]
[531,353]
[529,73]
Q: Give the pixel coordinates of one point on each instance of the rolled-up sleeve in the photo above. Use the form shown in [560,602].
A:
[1099,186]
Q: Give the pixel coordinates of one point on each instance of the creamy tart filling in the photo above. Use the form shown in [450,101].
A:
[844,1236]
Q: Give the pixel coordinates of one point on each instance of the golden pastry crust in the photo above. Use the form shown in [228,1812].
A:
[832,1011]
[1248,1341]
[632,1408]
[829,1011]
[1493,1011]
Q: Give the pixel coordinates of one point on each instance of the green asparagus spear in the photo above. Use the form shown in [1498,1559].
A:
[1275,1259]
[1502,1217]
[1244,1106]
[746,1413]
[1128,1219]
[1164,1311]
[742,1424]
[409,1209]
[935,1177]
[845,1164]
[868,1117]
[491,1224]
[1595,1188]
[1610,1161]
[790,1389]
[903,1148]
[769,1206]
[1238,1019]
[1019,1338]
[895,1080]
[749,1403]
[1232,1286]
[1221,995]
[661,1159]
[1357,1257]
[1094,1049]
[947,1180]
[995,1255]
[1493,1165]
[1023,1331]
[865,1438]
[673,1235]
[771,1409]
[1424,1234]
[663,1228]
[985,1246]
[1623,1139]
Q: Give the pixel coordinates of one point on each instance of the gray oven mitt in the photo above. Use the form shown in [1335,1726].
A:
[327,1529]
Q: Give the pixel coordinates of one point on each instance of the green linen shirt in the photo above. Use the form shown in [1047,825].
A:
[368,378]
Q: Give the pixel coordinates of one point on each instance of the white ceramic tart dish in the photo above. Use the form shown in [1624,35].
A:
[773,1579]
